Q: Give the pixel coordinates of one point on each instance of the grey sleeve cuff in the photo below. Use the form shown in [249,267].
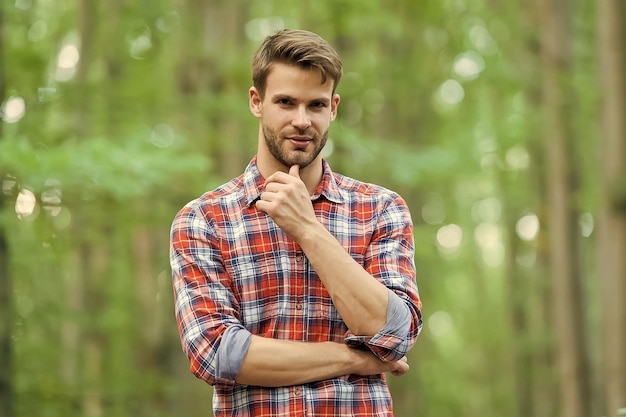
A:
[233,348]
[398,317]
[391,342]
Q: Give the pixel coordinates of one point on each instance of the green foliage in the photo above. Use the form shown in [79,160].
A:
[97,166]
[439,101]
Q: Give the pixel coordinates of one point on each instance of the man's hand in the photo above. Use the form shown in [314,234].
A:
[287,201]
[368,364]
[400,367]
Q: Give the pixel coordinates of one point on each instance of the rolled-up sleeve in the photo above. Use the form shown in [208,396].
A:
[390,259]
[211,333]
[391,342]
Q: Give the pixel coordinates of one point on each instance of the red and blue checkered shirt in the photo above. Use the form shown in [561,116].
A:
[236,273]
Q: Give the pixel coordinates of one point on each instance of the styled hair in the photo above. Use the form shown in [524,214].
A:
[295,47]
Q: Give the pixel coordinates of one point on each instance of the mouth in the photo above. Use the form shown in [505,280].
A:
[300,142]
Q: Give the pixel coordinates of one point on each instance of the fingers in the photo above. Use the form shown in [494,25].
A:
[372,365]
[400,367]
[287,201]
[281,182]
[277,191]
[273,187]
[281,177]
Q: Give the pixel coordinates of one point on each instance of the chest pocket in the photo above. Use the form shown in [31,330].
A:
[325,323]
[258,283]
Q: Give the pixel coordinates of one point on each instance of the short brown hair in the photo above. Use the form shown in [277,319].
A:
[295,47]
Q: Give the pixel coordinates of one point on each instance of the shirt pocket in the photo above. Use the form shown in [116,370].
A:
[324,321]
[257,284]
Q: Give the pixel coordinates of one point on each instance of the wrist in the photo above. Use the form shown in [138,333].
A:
[356,360]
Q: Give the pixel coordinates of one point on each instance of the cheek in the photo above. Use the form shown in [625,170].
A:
[321,123]
[277,119]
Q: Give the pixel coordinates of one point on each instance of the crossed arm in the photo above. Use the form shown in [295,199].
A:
[362,301]
[274,363]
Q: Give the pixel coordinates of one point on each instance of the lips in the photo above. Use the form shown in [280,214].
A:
[300,142]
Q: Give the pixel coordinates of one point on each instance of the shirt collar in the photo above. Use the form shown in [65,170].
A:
[254,184]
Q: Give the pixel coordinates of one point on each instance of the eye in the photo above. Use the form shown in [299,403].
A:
[318,104]
[283,101]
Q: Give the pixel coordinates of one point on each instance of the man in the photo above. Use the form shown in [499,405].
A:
[295,286]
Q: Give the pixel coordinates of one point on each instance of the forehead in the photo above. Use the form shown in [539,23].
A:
[296,81]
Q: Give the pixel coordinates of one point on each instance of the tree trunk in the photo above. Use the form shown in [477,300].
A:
[91,257]
[556,35]
[612,216]
[221,31]
[6,316]
[518,302]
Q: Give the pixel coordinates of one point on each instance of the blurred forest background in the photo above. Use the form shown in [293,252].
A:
[502,123]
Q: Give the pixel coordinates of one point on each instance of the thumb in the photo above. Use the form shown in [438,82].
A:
[294,171]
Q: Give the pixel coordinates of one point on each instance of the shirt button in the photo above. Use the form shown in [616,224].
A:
[299,306]
[299,258]
[298,392]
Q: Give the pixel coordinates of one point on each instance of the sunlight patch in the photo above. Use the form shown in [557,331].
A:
[13,109]
[25,204]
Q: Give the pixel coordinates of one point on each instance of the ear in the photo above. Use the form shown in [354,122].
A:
[333,106]
[256,104]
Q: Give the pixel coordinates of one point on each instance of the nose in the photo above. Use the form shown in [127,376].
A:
[301,119]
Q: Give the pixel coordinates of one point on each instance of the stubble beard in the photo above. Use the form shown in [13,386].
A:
[274,143]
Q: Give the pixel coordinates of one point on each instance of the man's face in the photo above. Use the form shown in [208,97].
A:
[295,114]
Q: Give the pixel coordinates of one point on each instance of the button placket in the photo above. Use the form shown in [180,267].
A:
[299,258]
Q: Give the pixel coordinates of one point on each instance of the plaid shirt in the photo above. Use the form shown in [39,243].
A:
[234,269]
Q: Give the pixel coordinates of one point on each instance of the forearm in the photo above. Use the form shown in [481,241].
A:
[360,299]
[274,363]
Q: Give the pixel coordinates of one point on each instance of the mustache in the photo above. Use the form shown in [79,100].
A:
[301,132]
